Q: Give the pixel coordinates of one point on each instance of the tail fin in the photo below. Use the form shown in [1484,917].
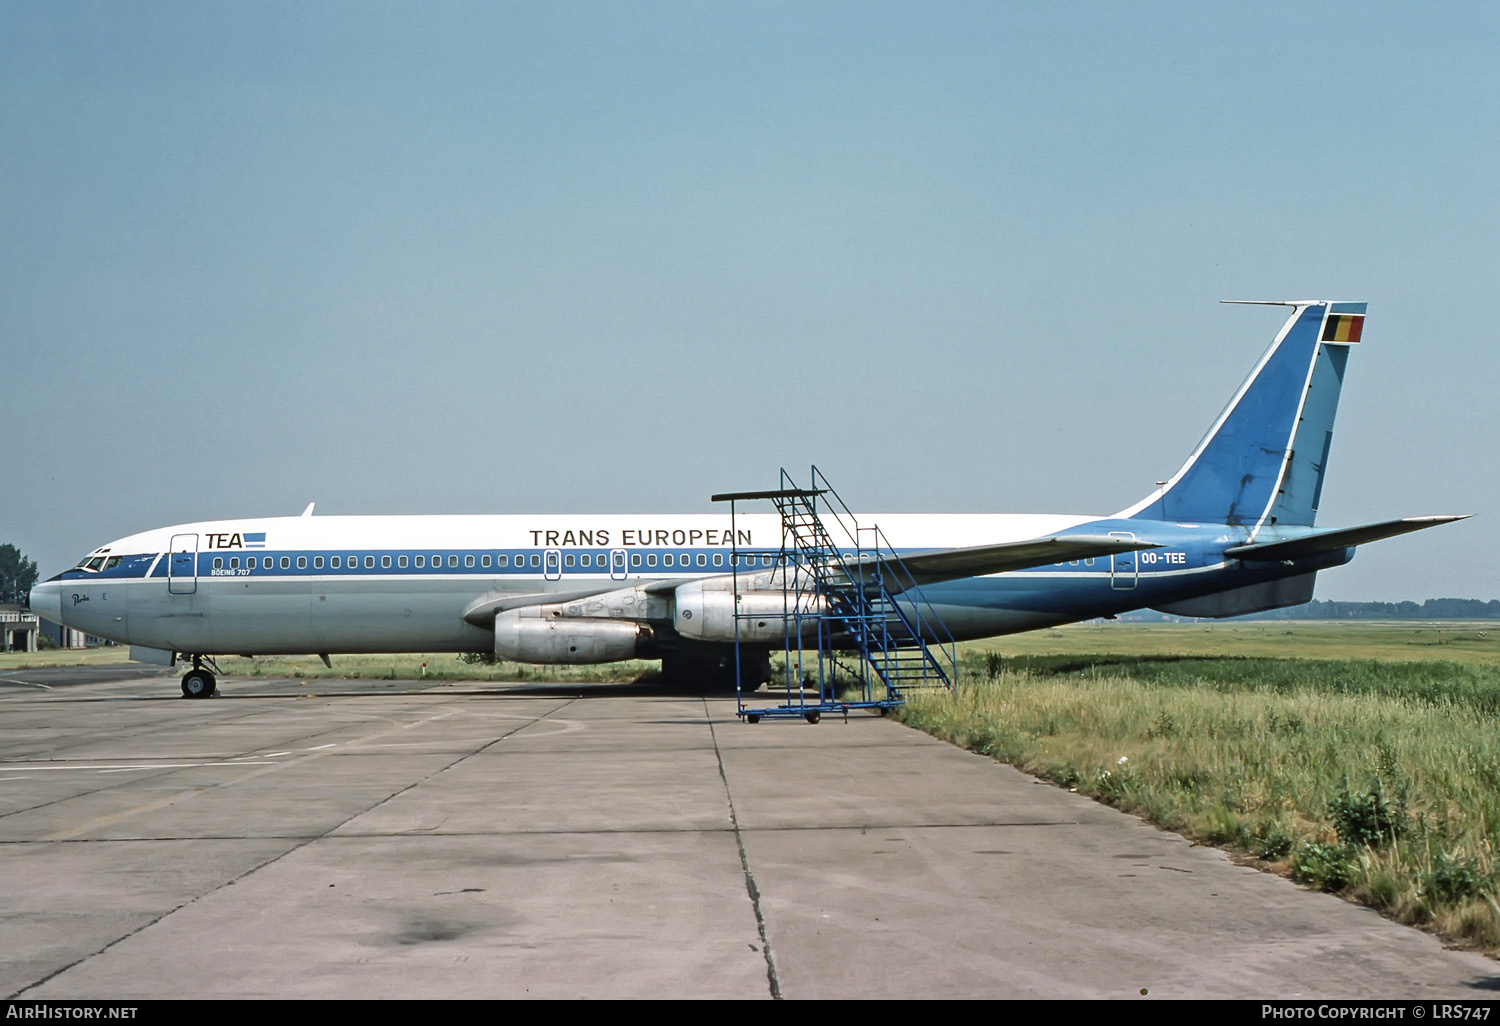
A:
[1263,460]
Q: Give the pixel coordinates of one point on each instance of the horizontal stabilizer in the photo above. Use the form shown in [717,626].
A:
[1329,541]
[950,564]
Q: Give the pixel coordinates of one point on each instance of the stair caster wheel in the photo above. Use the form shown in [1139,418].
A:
[814,717]
[752,718]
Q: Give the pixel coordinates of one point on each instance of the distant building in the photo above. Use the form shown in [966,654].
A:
[19,626]
[67,637]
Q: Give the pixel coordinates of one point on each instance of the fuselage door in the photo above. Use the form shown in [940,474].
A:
[552,564]
[617,564]
[1123,566]
[182,565]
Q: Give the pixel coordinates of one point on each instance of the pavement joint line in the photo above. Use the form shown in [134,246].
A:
[750,888]
[26,683]
[257,868]
[266,768]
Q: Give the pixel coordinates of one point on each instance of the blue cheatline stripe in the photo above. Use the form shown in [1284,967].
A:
[520,564]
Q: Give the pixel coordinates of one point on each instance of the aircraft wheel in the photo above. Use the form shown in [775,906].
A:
[814,717]
[198,684]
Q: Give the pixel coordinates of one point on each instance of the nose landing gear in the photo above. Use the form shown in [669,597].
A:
[198,682]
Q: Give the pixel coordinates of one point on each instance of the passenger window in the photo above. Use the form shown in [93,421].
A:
[267,563]
[502,560]
[568,559]
[401,562]
[686,559]
[668,560]
[385,562]
[650,559]
[336,562]
[484,560]
[302,562]
[453,561]
[421,562]
[317,562]
[718,559]
[702,559]
[218,562]
[536,560]
[286,562]
[635,559]
[437,560]
[586,559]
[234,562]
[369,562]
[468,561]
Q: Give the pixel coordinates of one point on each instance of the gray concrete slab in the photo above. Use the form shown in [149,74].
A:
[364,839]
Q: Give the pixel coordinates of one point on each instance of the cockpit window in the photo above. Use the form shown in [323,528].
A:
[111,562]
[94,564]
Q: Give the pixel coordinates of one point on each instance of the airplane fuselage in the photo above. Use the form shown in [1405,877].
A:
[403,583]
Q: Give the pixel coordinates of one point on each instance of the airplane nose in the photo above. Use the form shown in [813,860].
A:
[46,602]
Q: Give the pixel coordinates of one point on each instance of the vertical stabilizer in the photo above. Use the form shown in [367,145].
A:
[1264,459]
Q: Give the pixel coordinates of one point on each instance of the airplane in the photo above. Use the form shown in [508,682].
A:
[1231,532]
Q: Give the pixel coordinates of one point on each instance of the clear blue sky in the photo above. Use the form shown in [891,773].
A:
[573,257]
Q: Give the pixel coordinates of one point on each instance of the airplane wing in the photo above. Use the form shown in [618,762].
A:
[1343,538]
[976,561]
[483,612]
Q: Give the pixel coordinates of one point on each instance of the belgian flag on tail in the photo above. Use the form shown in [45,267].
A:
[1343,327]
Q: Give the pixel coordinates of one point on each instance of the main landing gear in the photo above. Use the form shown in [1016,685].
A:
[198,682]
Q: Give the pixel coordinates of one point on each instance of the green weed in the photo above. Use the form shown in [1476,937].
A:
[1347,773]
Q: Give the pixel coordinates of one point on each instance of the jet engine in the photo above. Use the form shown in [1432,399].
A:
[530,638]
[705,611]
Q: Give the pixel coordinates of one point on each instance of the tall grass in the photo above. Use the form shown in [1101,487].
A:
[1379,781]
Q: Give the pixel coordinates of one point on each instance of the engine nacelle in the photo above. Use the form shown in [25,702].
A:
[533,639]
[705,611]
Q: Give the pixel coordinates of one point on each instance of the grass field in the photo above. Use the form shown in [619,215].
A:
[107,656]
[1458,641]
[1463,641]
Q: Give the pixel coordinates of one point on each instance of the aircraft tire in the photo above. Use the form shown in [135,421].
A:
[198,684]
